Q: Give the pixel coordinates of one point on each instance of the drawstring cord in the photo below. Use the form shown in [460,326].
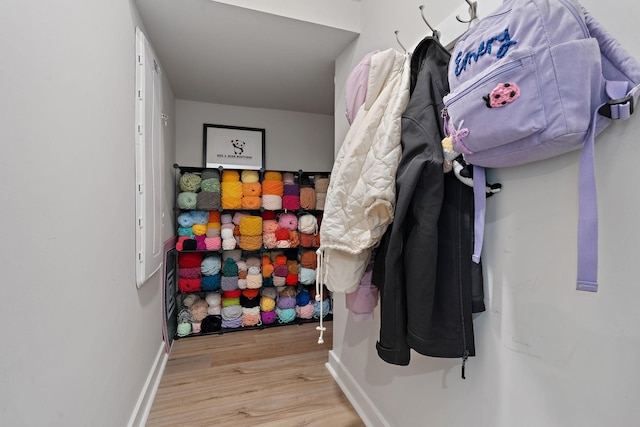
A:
[319,288]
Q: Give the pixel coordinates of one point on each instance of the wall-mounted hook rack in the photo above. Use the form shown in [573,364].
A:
[398,40]
[436,33]
[473,12]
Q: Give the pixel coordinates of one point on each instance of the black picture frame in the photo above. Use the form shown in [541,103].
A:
[233,147]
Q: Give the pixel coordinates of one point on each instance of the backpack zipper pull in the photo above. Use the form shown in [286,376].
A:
[465,356]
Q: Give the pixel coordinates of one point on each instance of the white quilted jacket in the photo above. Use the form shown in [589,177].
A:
[361,196]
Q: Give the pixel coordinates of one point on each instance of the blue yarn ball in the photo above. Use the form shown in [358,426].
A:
[307,276]
[185,220]
[326,306]
[185,231]
[200,217]
[211,265]
[303,298]
[211,283]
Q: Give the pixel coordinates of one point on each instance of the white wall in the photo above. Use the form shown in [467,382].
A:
[293,140]
[78,339]
[547,355]
[344,14]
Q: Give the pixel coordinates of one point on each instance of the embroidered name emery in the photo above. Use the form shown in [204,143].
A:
[484,47]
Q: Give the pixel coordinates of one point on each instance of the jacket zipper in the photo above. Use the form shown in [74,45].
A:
[465,352]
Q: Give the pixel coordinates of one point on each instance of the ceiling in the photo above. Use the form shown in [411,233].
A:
[223,54]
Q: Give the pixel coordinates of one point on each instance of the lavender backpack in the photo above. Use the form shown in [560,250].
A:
[535,79]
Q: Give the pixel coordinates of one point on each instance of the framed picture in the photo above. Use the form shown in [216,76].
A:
[233,147]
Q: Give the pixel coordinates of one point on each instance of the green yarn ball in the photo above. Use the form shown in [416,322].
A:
[184,329]
[211,185]
[190,182]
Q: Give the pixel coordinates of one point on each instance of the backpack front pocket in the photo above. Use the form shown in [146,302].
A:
[499,106]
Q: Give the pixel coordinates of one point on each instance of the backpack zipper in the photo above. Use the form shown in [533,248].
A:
[500,70]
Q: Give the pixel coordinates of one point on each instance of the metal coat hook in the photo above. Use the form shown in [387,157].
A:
[473,12]
[398,40]
[435,32]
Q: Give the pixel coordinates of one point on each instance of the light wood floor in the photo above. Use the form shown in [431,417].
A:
[270,377]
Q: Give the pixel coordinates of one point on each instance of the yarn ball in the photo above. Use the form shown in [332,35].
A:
[321,185]
[267,267]
[231,294]
[305,311]
[251,202]
[250,243]
[291,190]
[211,324]
[286,302]
[185,231]
[226,233]
[213,243]
[254,281]
[286,315]
[232,323]
[230,268]
[326,307]
[267,304]
[308,224]
[251,226]
[199,229]
[213,298]
[282,234]
[307,276]
[250,176]
[292,279]
[189,300]
[211,265]
[247,302]
[228,283]
[307,198]
[272,176]
[235,255]
[288,177]
[253,261]
[280,271]
[226,218]
[184,316]
[208,200]
[268,317]
[267,281]
[292,266]
[200,245]
[280,260]
[269,226]
[230,190]
[185,219]
[199,310]
[271,202]
[242,283]
[237,217]
[199,217]
[227,302]
[279,281]
[211,283]
[251,189]
[287,291]
[271,293]
[272,188]
[210,173]
[303,298]
[254,269]
[268,215]
[229,175]
[309,259]
[193,259]
[190,182]
[184,329]
[291,203]
[231,312]
[288,221]
[189,273]
[187,200]
[320,200]
[211,185]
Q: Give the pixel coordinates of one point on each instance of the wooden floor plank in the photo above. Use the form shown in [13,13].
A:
[270,377]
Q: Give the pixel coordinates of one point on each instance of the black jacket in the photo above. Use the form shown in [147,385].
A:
[423,266]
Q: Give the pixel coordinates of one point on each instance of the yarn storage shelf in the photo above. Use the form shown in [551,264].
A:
[245,253]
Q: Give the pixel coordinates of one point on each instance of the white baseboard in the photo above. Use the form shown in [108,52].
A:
[148,393]
[356,395]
